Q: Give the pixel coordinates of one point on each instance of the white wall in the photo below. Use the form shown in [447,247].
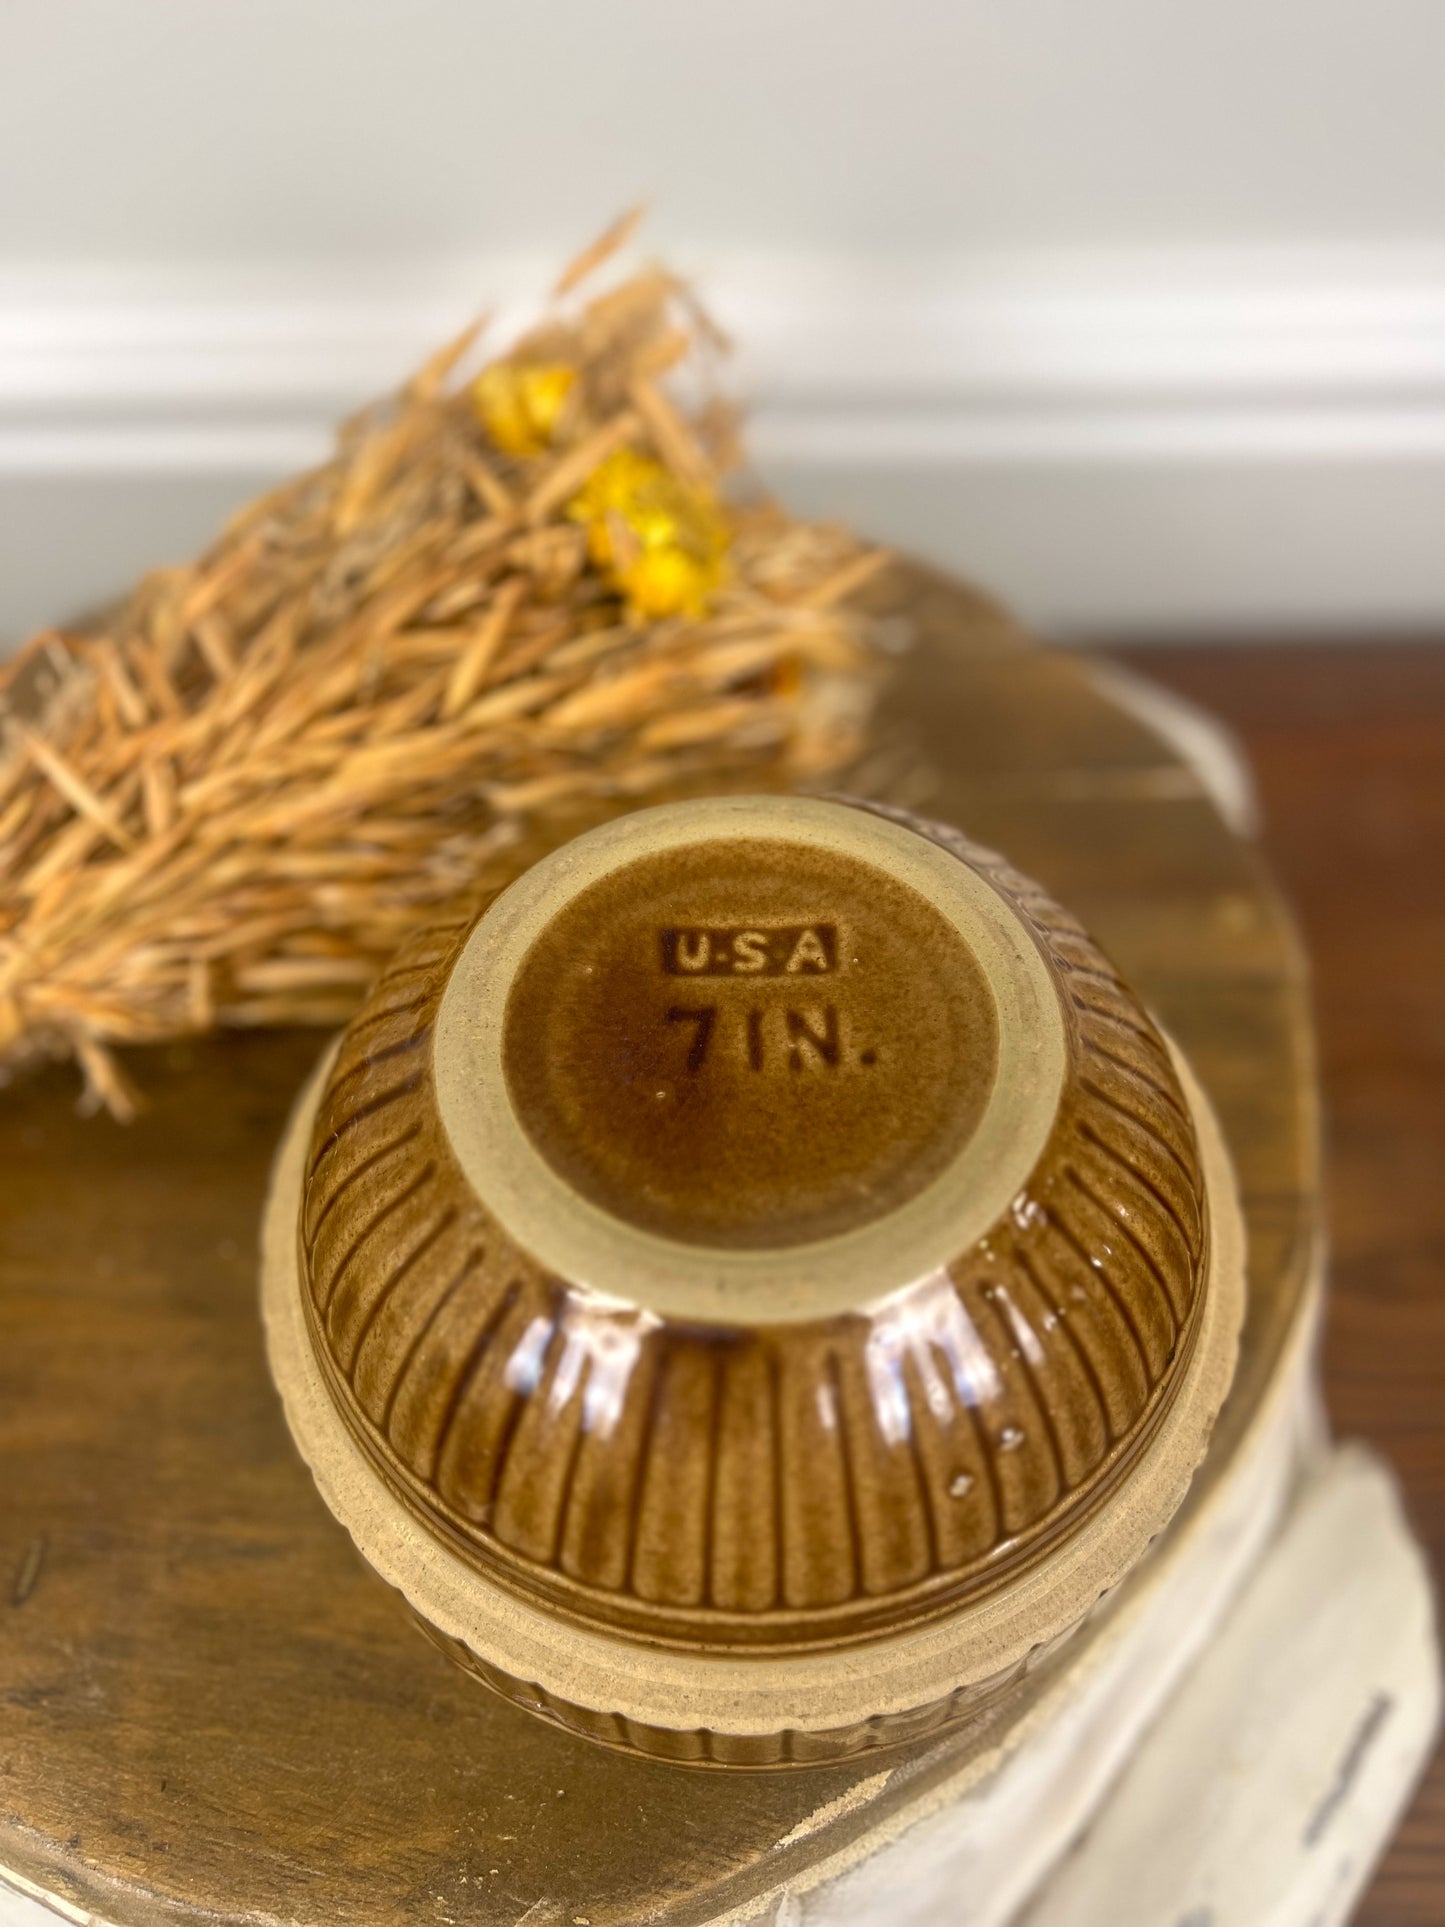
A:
[1135,308]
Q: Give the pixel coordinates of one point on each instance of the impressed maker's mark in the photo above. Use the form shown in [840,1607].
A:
[790,950]
[749,1044]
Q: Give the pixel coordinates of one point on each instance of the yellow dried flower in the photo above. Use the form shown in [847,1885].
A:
[520,403]
[659,542]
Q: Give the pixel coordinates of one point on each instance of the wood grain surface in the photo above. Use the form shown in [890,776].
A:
[209,1710]
[1347,744]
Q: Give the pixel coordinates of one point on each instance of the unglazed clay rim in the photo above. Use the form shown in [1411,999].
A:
[587,1245]
[677,1692]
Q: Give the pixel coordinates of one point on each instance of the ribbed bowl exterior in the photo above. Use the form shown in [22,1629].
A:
[784,1486]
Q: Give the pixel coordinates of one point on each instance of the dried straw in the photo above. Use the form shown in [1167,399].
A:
[382,685]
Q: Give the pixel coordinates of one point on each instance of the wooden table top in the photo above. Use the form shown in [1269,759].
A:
[1347,744]
[157,1399]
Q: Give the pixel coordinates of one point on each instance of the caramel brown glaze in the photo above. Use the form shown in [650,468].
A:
[767,1484]
[698,1045]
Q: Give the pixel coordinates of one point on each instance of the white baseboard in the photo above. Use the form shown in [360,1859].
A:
[1130,442]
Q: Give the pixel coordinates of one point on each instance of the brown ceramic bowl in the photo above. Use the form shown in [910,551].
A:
[756,1284]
